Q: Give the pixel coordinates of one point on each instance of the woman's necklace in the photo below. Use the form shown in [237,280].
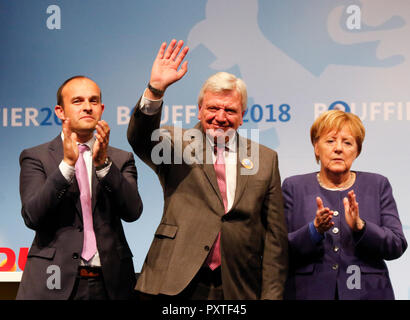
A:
[345,186]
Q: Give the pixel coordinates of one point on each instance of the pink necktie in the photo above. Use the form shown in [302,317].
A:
[89,242]
[214,257]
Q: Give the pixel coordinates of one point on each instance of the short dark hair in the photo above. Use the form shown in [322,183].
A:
[60,90]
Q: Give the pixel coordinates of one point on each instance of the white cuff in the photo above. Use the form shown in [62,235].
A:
[67,171]
[103,172]
[150,107]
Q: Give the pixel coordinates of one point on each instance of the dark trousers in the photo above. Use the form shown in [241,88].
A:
[206,285]
[89,288]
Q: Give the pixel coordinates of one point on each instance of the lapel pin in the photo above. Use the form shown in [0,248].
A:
[247,163]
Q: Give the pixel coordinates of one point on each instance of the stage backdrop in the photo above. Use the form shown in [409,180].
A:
[298,58]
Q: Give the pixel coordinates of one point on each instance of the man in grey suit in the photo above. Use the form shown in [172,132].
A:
[222,234]
[75,190]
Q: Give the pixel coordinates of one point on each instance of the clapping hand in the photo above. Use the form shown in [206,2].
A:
[323,219]
[352,212]
[102,136]
[70,146]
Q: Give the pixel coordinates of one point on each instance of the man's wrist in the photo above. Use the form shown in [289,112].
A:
[105,164]
[156,92]
[67,171]
[69,162]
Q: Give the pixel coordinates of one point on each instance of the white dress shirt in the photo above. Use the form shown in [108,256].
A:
[69,172]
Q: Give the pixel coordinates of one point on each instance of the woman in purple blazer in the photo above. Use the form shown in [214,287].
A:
[342,224]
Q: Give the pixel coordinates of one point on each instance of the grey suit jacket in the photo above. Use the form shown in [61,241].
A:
[51,206]
[253,232]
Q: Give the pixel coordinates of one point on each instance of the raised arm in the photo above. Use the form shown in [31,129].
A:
[165,69]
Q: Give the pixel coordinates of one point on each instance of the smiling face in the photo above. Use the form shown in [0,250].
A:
[221,111]
[336,150]
[82,105]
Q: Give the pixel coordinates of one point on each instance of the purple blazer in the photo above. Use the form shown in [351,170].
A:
[344,264]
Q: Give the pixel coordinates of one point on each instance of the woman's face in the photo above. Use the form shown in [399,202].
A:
[336,150]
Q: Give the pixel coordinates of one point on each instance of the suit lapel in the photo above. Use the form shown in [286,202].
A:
[244,157]
[209,169]
[57,154]
[241,179]
[94,186]
[205,161]
[56,150]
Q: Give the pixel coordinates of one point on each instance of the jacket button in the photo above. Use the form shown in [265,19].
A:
[335,266]
[206,248]
[75,255]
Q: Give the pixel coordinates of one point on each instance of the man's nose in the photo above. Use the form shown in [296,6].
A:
[87,106]
[220,115]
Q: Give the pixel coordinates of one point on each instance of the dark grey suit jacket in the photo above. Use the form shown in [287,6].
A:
[51,206]
[253,232]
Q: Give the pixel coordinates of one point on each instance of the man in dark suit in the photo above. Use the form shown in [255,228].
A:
[75,190]
[222,234]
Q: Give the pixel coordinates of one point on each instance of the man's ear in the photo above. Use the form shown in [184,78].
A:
[243,113]
[102,108]
[59,111]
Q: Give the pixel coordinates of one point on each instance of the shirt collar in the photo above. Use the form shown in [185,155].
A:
[229,146]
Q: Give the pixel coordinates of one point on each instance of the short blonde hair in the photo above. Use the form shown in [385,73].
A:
[224,82]
[336,120]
